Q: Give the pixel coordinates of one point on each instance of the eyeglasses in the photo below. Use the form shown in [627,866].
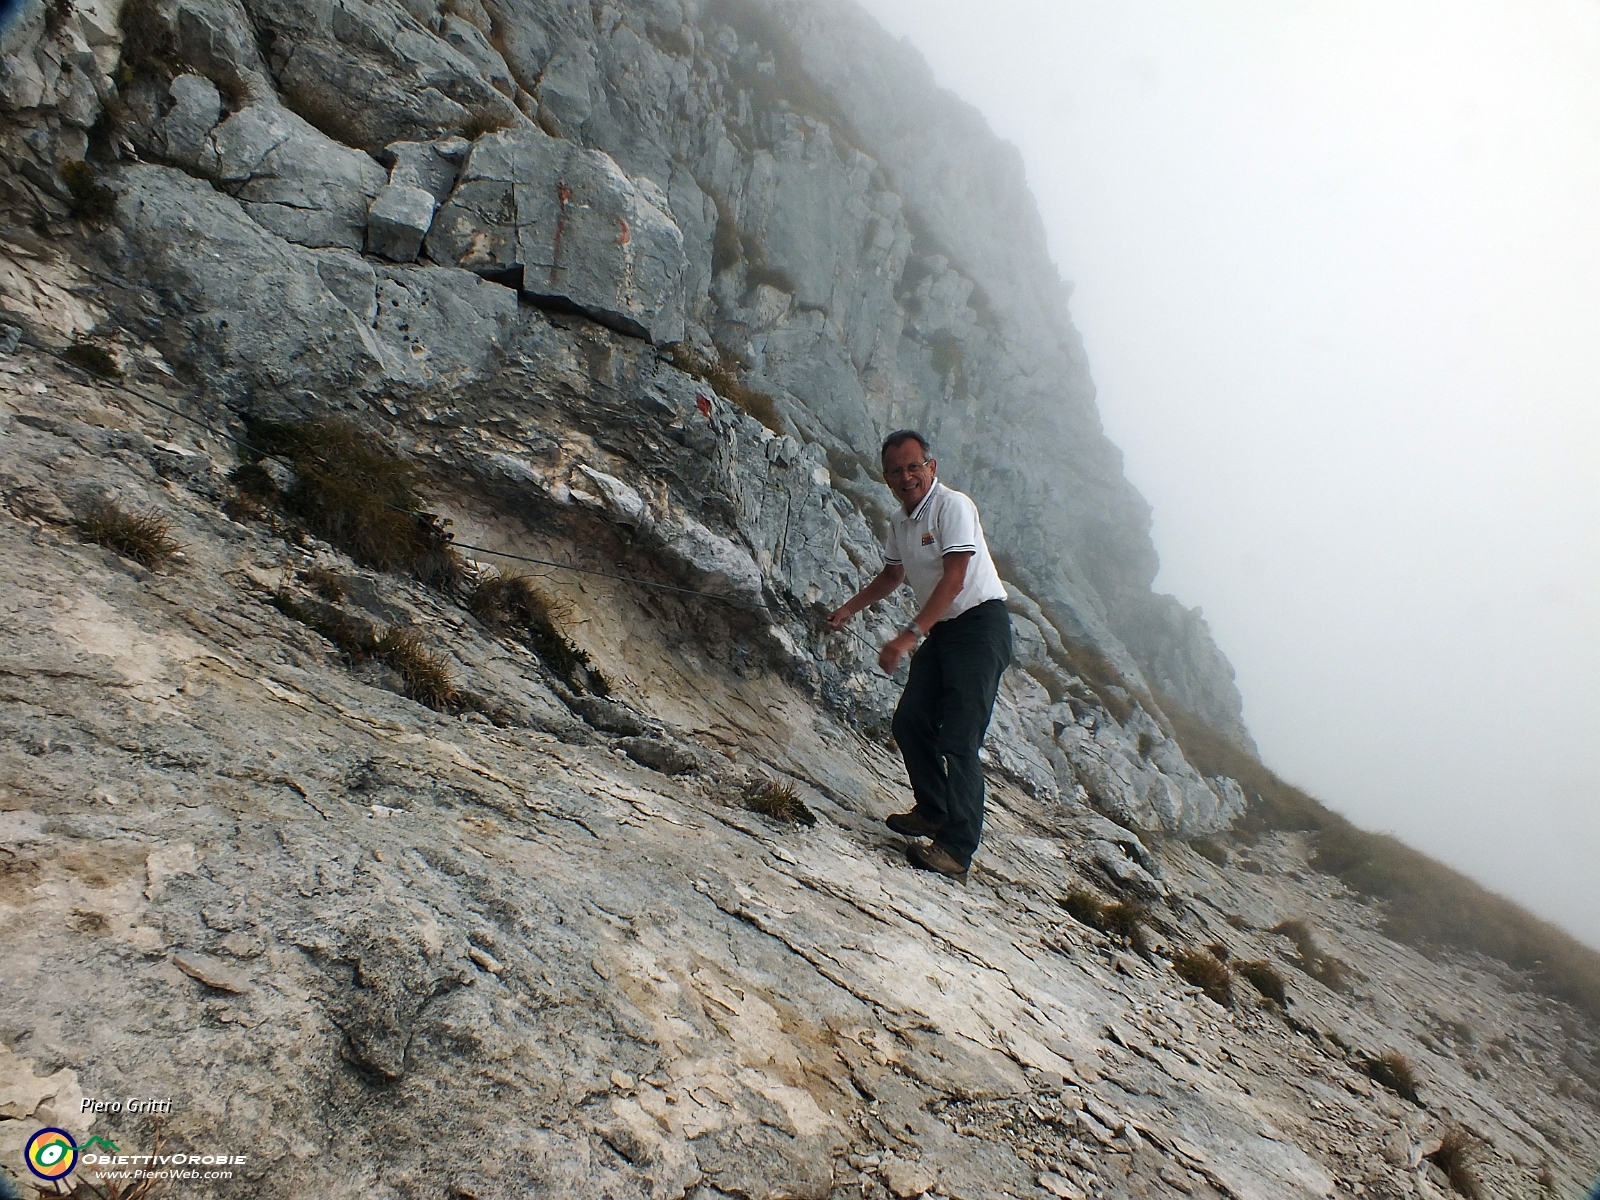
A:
[898,473]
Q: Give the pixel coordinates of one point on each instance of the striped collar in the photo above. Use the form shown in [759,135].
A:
[923,503]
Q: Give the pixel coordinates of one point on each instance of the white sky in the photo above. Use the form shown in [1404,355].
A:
[1337,265]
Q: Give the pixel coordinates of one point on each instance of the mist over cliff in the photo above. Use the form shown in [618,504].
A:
[420,875]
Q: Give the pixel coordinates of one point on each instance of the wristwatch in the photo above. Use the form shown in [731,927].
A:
[914,631]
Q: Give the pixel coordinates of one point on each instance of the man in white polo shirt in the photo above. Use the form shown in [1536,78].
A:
[936,545]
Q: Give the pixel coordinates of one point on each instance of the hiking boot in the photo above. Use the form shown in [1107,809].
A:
[936,859]
[913,824]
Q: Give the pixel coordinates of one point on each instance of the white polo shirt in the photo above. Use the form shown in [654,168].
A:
[945,522]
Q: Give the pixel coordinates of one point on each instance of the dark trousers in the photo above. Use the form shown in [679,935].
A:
[943,714]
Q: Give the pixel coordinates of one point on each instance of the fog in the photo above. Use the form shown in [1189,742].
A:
[1337,266]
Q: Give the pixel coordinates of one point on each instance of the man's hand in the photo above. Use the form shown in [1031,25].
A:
[888,579]
[894,650]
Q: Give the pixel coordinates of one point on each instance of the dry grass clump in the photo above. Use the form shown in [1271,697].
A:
[427,674]
[1122,919]
[514,604]
[92,359]
[781,802]
[1264,977]
[88,198]
[724,377]
[1394,1071]
[252,479]
[324,109]
[355,638]
[1101,676]
[56,15]
[1324,968]
[1454,1157]
[1206,971]
[328,584]
[1208,848]
[147,44]
[1084,907]
[484,119]
[352,490]
[145,537]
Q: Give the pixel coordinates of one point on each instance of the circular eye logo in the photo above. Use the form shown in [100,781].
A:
[52,1154]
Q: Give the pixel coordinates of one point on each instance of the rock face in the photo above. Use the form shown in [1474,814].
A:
[636,290]
[398,221]
[539,946]
[291,178]
[562,221]
[778,183]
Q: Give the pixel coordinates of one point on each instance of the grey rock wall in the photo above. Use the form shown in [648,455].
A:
[321,206]
[557,220]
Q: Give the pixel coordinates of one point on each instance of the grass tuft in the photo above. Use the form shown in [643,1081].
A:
[89,199]
[233,88]
[92,359]
[1394,1071]
[427,674]
[57,14]
[144,537]
[1264,977]
[254,480]
[356,639]
[141,1189]
[324,109]
[482,120]
[1457,1148]
[148,47]
[1123,919]
[723,376]
[324,582]
[781,802]
[1084,907]
[1324,968]
[352,490]
[1207,972]
[514,604]
[1208,848]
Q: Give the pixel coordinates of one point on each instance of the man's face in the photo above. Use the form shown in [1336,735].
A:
[906,472]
